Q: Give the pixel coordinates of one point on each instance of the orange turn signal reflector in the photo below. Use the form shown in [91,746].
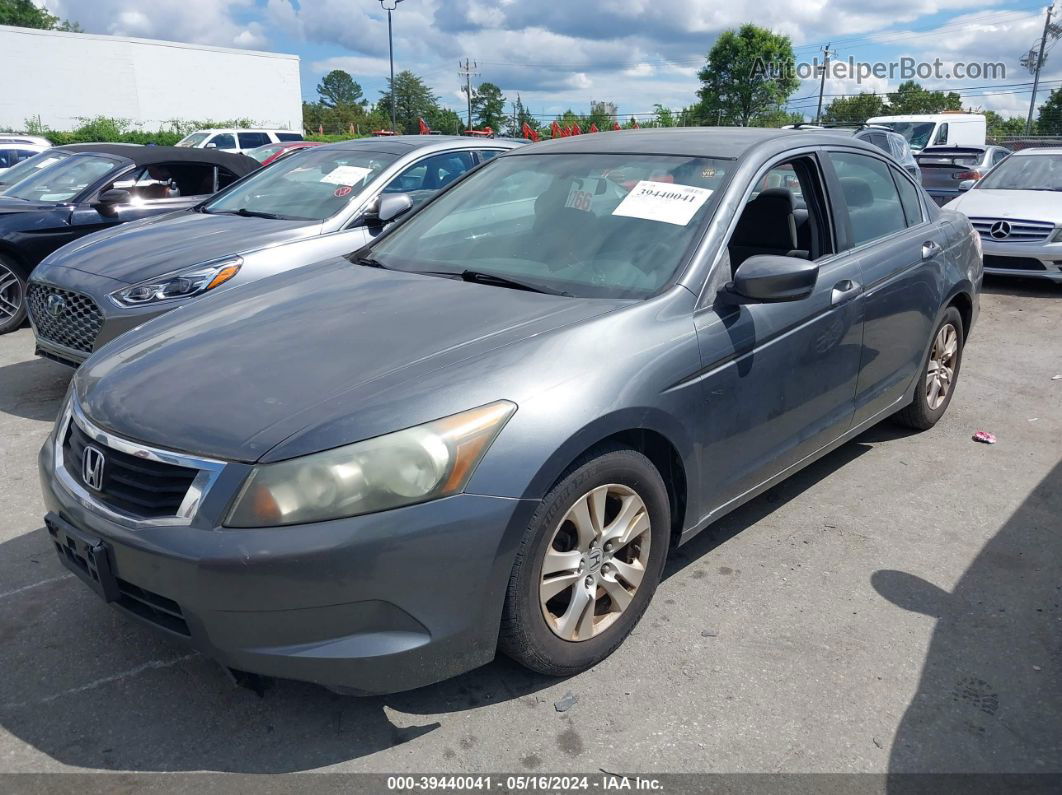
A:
[223,276]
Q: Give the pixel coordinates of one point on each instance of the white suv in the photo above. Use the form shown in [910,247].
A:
[237,140]
[16,148]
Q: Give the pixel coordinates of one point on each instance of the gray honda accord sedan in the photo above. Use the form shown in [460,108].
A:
[487,428]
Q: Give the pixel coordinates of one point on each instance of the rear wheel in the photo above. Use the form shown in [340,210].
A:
[937,383]
[588,565]
[12,296]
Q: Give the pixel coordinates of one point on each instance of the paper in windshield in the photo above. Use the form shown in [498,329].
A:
[663,201]
[346,175]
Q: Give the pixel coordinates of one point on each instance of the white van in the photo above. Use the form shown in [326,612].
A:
[938,129]
[237,140]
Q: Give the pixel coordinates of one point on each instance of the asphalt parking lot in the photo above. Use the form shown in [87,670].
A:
[895,607]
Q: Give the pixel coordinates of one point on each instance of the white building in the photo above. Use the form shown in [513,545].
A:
[58,77]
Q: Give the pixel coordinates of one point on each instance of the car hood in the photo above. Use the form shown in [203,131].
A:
[1030,205]
[142,250]
[231,376]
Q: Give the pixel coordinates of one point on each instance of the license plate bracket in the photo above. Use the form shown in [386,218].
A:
[85,555]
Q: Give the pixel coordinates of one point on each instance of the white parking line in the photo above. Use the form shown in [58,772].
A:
[148,666]
[6,594]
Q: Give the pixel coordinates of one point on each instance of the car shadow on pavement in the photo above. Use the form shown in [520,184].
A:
[1029,288]
[990,695]
[33,389]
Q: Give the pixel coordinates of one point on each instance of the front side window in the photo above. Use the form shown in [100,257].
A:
[588,225]
[942,135]
[315,185]
[223,141]
[874,207]
[916,132]
[63,181]
[426,177]
[1025,172]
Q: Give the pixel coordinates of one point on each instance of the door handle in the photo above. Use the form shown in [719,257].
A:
[844,291]
[930,249]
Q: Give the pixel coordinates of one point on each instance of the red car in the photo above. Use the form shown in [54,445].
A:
[270,153]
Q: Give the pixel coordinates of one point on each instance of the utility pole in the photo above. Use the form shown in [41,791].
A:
[822,81]
[1035,61]
[391,54]
[468,71]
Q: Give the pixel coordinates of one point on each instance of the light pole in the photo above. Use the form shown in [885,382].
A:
[389,6]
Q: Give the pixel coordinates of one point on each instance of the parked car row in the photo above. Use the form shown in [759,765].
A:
[533,372]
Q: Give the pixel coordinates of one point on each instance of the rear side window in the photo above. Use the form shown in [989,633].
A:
[999,155]
[249,140]
[912,205]
[487,154]
[874,206]
[169,181]
[223,141]
[8,157]
[288,136]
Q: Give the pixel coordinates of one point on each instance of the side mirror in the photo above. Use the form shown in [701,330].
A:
[768,279]
[114,196]
[211,145]
[388,206]
[966,184]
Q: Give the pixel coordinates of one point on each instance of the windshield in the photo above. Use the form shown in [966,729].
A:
[62,181]
[916,132]
[588,225]
[311,187]
[262,153]
[192,140]
[31,166]
[1025,172]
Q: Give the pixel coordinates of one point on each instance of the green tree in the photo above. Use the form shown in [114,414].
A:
[338,89]
[1049,120]
[488,106]
[749,72]
[413,100]
[1000,127]
[445,120]
[664,117]
[854,110]
[27,14]
[910,97]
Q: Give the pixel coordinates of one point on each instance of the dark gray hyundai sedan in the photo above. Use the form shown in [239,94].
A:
[486,429]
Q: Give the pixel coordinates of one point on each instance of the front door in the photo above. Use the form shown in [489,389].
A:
[780,378]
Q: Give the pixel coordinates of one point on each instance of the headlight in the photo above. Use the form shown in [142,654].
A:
[414,465]
[179,284]
[1056,236]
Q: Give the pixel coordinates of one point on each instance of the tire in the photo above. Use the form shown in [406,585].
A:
[927,407]
[12,296]
[544,632]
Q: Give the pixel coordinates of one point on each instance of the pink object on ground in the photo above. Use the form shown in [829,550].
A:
[984,436]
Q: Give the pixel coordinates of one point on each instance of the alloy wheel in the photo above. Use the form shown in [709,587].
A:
[10,294]
[595,562]
[940,373]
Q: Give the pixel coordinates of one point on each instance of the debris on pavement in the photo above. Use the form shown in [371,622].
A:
[566,702]
[709,633]
[984,437]
[1057,377]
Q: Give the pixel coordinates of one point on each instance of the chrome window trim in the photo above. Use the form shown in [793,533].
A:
[209,470]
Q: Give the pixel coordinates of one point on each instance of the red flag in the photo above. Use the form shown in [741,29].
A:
[534,136]
[593,127]
[320,129]
[555,130]
[424,129]
[615,125]
[576,129]
[634,124]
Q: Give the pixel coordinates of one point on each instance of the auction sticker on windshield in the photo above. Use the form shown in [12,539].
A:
[663,201]
[346,175]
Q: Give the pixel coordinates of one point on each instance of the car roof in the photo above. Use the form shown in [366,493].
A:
[151,155]
[241,129]
[1044,150]
[403,144]
[728,143]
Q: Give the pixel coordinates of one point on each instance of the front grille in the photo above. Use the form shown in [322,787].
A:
[152,607]
[1014,263]
[137,486]
[63,317]
[1020,231]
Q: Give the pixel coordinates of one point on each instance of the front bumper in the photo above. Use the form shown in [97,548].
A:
[372,604]
[1029,260]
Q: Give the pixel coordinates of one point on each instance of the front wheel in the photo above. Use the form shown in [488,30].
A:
[588,565]
[12,297]
[936,385]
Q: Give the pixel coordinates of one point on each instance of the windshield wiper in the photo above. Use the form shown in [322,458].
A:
[246,213]
[369,262]
[480,277]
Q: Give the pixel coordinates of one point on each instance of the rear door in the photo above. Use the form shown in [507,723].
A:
[901,256]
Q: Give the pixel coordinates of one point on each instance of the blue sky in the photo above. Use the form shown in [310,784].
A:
[556,55]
